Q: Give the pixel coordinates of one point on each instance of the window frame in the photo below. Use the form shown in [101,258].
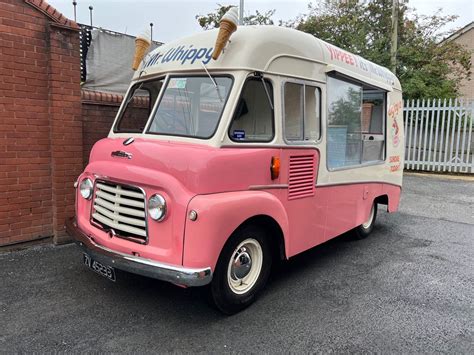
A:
[384,126]
[351,80]
[161,95]
[304,83]
[123,107]
[247,79]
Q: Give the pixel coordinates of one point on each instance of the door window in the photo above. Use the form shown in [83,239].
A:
[253,117]
[302,112]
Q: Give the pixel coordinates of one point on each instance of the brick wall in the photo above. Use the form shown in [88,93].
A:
[65,124]
[98,113]
[48,125]
[40,120]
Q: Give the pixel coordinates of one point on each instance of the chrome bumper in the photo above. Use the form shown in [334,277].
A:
[172,273]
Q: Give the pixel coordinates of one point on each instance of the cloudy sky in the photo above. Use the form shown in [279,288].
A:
[176,18]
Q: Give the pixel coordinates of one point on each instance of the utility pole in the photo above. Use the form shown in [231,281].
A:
[394,38]
[74,3]
[241,12]
[90,13]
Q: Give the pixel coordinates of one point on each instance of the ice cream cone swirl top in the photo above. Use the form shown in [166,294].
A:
[231,16]
[145,35]
[227,26]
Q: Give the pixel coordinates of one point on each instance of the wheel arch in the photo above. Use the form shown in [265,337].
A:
[220,215]
[382,200]
[268,223]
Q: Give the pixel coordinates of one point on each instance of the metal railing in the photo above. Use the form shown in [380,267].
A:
[439,135]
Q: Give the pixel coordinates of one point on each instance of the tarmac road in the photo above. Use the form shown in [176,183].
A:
[407,288]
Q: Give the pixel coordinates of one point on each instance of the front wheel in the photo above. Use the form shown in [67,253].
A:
[366,228]
[242,270]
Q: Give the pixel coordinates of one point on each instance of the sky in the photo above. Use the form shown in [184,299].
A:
[173,19]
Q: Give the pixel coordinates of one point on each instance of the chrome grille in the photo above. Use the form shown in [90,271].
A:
[121,209]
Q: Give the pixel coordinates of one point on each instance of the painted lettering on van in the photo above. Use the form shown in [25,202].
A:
[359,62]
[343,56]
[181,54]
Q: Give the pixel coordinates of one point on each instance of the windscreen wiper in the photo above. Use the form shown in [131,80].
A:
[133,95]
[213,81]
[260,75]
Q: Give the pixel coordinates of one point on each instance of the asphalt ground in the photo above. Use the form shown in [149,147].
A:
[408,288]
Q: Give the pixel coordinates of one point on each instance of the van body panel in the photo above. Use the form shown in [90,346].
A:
[219,215]
[195,168]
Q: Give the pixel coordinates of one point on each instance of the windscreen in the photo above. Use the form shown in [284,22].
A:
[191,106]
[138,106]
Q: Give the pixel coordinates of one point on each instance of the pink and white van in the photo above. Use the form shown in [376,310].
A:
[216,169]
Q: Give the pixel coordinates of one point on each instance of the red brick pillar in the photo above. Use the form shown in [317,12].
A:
[65,123]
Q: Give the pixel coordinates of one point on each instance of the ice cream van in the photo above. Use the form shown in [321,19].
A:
[216,169]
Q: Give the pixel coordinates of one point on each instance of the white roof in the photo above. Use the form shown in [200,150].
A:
[256,48]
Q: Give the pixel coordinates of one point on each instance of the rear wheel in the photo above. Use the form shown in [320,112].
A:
[242,270]
[366,228]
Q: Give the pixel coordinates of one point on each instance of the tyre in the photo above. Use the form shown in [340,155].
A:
[242,270]
[366,228]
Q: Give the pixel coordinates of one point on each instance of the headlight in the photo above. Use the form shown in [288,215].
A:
[86,187]
[157,207]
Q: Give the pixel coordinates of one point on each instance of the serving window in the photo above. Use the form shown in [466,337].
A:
[356,123]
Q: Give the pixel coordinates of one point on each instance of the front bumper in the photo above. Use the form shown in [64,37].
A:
[172,273]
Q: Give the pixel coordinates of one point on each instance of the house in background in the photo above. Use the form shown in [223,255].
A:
[465,37]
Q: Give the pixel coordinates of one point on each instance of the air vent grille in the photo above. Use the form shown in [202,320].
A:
[301,176]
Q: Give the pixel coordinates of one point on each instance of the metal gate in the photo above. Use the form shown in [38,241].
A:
[438,135]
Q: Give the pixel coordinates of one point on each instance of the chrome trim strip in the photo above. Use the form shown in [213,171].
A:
[121,154]
[268,187]
[270,146]
[142,266]
[285,186]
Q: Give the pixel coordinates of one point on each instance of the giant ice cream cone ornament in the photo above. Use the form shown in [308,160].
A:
[227,26]
[142,43]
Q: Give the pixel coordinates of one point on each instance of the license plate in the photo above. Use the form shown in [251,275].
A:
[99,268]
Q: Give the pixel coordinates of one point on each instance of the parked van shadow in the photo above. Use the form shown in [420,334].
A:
[167,301]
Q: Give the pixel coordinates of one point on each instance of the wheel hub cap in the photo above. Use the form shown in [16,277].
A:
[242,264]
[245,266]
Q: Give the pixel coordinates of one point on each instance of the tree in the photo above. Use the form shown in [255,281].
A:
[211,20]
[426,66]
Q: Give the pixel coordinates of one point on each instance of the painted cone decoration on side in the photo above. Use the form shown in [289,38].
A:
[227,26]
[142,43]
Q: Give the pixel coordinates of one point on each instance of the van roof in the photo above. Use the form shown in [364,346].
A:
[259,48]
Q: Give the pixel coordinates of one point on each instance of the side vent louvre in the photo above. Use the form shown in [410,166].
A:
[301,176]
